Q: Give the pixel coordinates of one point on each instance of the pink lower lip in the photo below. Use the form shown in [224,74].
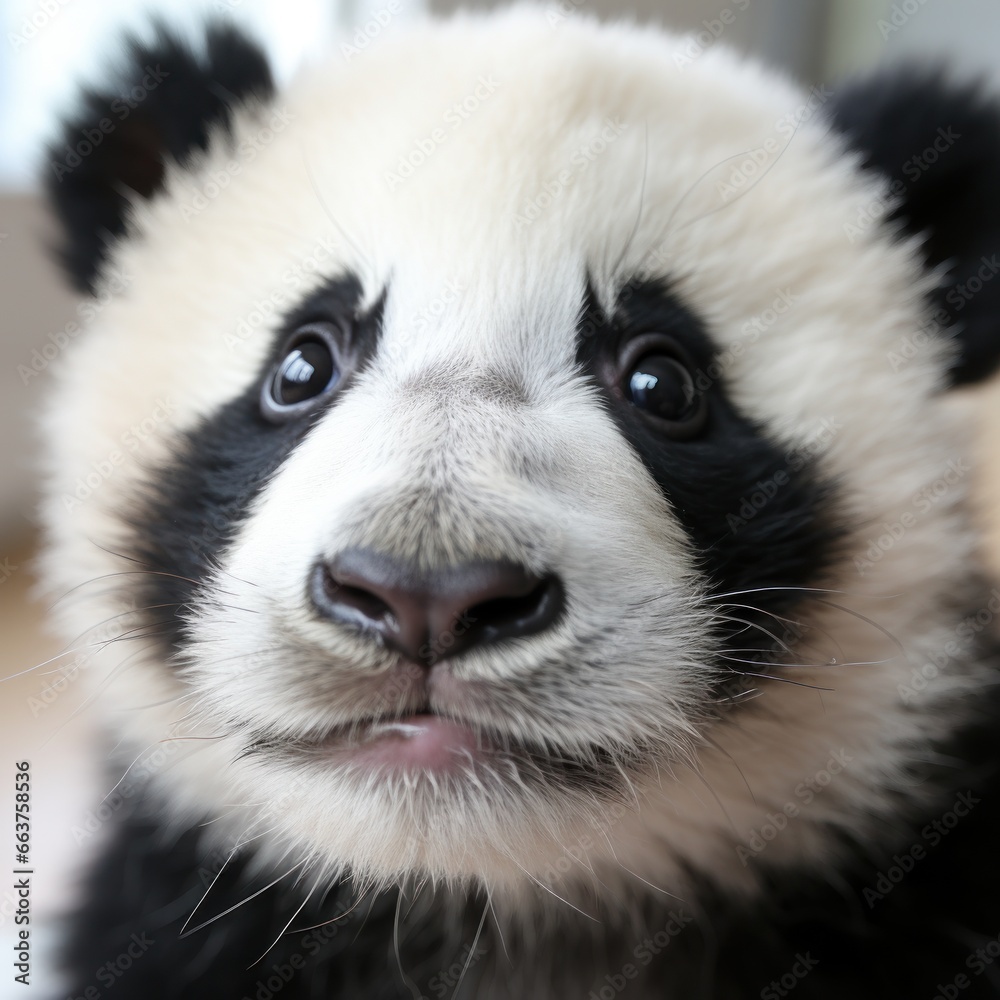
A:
[417,743]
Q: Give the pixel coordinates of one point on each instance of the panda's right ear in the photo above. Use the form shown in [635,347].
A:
[162,107]
[938,143]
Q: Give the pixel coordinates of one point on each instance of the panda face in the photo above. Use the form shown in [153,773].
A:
[498,425]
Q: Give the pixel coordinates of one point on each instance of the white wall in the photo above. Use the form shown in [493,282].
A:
[786,33]
[964,34]
[965,31]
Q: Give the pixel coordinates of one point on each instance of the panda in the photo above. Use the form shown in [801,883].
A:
[526,549]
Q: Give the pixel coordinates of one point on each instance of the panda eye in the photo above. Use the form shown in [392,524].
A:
[657,380]
[308,371]
[662,387]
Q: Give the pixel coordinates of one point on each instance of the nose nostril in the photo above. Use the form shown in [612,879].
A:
[508,611]
[368,604]
[353,604]
[517,615]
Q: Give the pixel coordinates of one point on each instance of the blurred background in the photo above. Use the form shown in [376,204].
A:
[47,47]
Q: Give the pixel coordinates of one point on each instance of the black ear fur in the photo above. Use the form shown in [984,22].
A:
[162,106]
[939,143]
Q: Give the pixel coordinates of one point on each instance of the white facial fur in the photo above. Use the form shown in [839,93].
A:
[485,279]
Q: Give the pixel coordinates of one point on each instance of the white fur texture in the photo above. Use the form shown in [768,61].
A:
[478,293]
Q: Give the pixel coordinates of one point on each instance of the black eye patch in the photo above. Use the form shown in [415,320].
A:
[195,503]
[712,473]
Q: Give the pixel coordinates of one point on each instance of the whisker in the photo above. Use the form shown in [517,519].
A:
[111,576]
[759,627]
[211,885]
[340,916]
[796,625]
[236,906]
[718,746]
[711,791]
[747,694]
[552,892]
[113,675]
[874,624]
[779,679]
[638,215]
[281,934]
[410,984]
[356,249]
[472,950]
[496,921]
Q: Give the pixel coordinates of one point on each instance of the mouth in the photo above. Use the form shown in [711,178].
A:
[422,742]
[435,746]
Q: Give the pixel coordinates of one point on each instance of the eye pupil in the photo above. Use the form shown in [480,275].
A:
[663,387]
[306,371]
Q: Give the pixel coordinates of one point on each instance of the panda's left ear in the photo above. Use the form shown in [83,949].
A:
[939,143]
[166,99]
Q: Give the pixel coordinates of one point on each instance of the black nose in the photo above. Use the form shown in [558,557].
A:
[430,615]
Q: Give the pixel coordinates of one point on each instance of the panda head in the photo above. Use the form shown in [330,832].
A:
[520,452]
